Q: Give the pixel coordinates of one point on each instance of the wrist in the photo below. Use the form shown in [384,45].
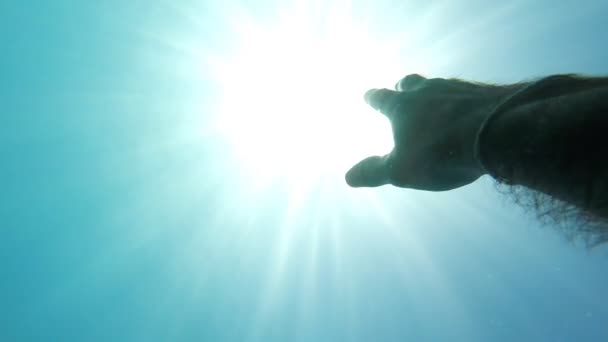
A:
[507,98]
[482,118]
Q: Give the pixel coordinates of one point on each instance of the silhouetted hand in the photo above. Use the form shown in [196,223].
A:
[434,123]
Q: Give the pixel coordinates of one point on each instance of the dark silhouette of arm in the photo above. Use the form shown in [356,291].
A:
[552,136]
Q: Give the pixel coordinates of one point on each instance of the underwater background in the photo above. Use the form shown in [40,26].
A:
[157,186]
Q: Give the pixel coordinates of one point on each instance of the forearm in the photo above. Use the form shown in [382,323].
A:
[550,137]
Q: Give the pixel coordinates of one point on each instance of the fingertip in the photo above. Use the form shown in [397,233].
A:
[368,95]
[352,179]
[370,172]
[379,98]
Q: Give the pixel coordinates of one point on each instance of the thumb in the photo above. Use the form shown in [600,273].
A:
[370,172]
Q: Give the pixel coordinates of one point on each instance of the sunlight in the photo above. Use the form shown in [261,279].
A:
[292,103]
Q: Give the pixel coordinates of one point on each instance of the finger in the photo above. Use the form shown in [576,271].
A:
[384,100]
[370,172]
[410,82]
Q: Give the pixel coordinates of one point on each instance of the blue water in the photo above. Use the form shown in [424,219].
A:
[123,217]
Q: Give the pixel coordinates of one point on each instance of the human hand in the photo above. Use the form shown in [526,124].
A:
[435,124]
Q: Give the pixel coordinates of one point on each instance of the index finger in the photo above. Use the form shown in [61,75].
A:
[386,101]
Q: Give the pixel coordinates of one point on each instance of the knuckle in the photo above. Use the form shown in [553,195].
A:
[410,82]
[434,82]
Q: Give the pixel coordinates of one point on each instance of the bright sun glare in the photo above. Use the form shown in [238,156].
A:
[292,103]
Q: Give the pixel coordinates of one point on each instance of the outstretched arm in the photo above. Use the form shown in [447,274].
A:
[552,136]
[548,135]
